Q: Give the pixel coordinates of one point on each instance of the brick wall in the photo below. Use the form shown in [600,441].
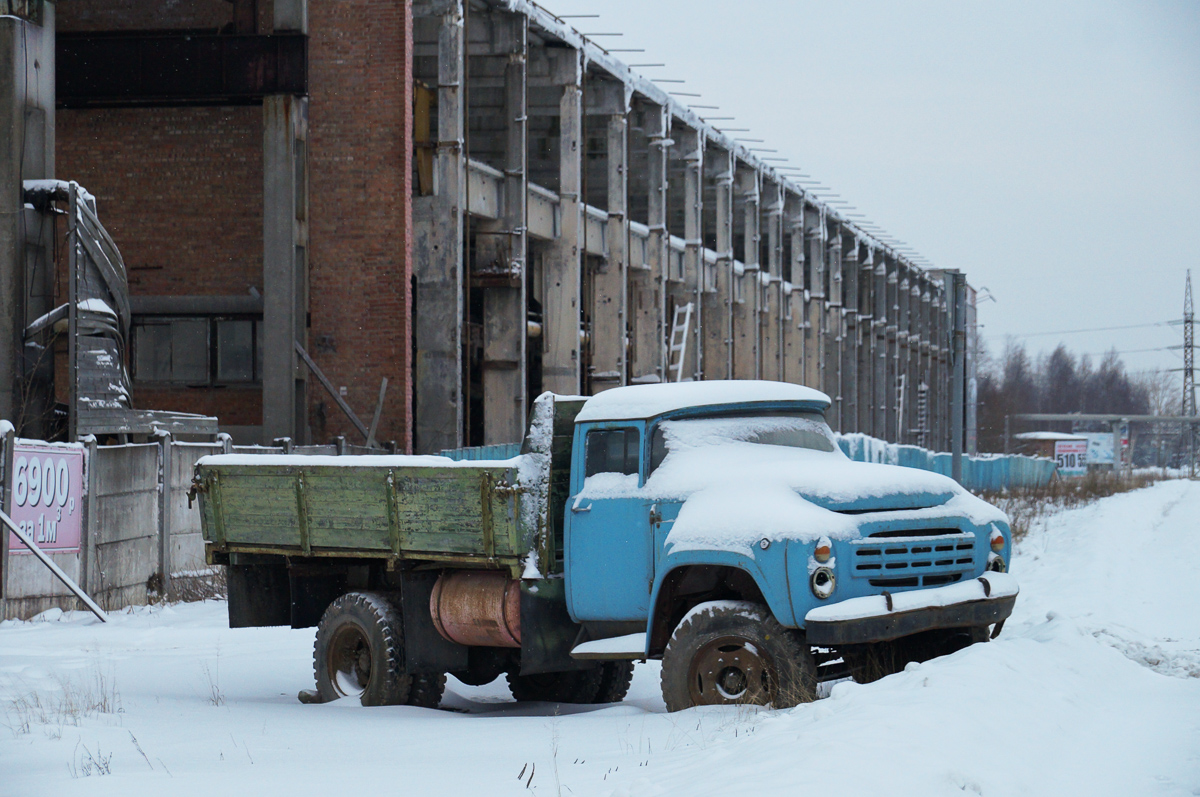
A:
[359,140]
[180,189]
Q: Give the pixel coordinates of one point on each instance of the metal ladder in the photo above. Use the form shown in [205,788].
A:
[677,350]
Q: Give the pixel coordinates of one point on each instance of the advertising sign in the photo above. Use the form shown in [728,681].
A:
[47,496]
[1100,447]
[1071,457]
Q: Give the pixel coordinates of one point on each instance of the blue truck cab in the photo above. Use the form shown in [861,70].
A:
[718,526]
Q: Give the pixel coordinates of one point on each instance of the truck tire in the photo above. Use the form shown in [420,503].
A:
[359,651]
[572,686]
[427,689]
[731,652]
[615,678]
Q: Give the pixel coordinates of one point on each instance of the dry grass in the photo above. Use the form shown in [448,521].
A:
[189,586]
[1026,507]
[75,700]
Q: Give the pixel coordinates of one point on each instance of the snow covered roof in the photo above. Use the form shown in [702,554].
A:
[647,401]
[1048,436]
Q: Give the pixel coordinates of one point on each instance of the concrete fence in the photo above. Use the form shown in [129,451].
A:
[123,530]
[123,533]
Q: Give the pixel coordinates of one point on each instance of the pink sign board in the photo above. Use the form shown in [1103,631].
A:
[47,496]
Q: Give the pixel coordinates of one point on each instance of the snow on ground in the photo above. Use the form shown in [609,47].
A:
[1094,688]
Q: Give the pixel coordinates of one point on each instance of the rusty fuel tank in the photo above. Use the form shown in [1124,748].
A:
[477,607]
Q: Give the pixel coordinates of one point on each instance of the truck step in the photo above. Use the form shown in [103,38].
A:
[630,646]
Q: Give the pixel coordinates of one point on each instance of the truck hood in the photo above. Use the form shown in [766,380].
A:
[827,479]
[736,496]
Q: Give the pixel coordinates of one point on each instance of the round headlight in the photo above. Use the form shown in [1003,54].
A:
[823,551]
[822,582]
[997,541]
[996,564]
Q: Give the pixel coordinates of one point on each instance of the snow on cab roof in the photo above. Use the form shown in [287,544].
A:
[647,401]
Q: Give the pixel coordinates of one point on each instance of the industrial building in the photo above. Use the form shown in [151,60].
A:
[468,199]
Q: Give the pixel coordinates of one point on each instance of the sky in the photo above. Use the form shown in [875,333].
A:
[1051,150]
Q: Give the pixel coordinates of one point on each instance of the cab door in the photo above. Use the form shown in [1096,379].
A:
[609,555]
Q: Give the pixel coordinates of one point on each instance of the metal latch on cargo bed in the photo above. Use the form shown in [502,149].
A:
[198,486]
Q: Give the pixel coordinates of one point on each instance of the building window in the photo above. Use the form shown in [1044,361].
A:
[199,351]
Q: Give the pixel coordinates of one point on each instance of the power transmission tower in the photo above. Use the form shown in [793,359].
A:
[1189,345]
[1189,371]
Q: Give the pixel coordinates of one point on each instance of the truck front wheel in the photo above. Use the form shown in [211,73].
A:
[359,651]
[730,652]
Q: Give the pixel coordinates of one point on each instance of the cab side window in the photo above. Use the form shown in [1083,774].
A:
[612,451]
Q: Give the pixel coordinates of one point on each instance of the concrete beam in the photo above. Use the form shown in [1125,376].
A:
[814,337]
[772,319]
[834,331]
[438,258]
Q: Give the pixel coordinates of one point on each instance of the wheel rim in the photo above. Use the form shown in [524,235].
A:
[349,661]
[730,669]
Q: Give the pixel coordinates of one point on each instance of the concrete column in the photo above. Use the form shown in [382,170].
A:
[892,377]
[610,281]
[718,304]
[879,348]
[834,331]
[746,329]
[505,325]
[285,266]
[794,354]
[848,339]
[561,308]
[814,338]
[649,287]
[903,369]
[26,238]
[865,342]
[692,146]
[772,317]
[438,258]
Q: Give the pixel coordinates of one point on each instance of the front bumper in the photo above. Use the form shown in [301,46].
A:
[879,618]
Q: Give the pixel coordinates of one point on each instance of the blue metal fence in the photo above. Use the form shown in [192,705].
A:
[498,451]
[981,472]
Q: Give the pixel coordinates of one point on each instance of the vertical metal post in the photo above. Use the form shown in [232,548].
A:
[165,498]
[6,498]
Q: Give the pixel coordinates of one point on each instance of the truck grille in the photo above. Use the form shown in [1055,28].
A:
[914,560]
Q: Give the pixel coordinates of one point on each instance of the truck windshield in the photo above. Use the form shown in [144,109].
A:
[792,430]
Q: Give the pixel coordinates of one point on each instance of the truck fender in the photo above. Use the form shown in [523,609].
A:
[735,577]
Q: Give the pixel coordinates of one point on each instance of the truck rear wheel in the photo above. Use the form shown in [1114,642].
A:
[615,678]
[572,686]
[359,651]
[427,689]
[735,652]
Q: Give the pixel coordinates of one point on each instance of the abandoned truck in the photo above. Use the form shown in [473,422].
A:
[713,525]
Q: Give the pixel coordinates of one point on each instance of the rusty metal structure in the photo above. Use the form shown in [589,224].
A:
[578,228]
